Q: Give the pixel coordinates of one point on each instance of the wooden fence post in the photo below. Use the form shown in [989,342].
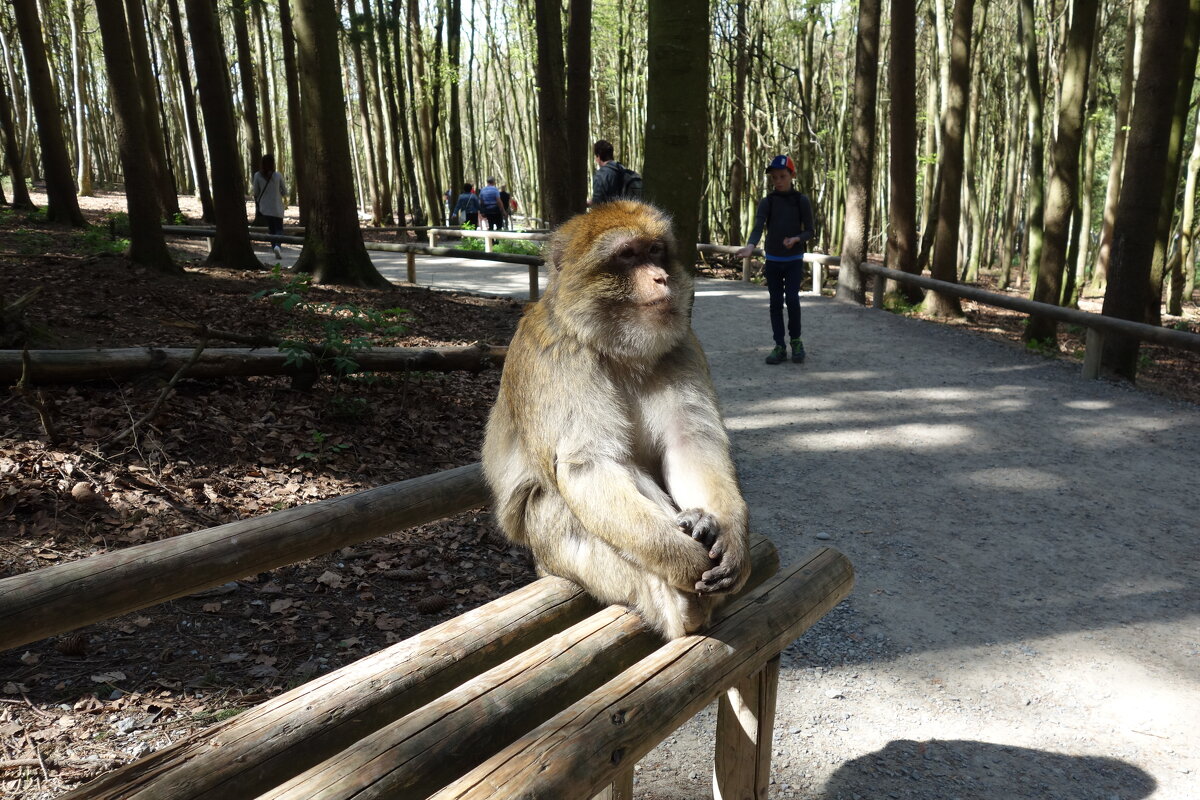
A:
[412,266]
[533,282]
[1091,354]
[620,789]
[432,237]
[746,269]
[745,721]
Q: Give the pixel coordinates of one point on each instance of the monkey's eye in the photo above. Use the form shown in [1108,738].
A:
[627,253]
[656,250]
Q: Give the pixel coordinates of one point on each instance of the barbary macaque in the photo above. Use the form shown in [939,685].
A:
[605,452]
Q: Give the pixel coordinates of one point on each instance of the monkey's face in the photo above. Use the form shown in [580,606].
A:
[616,283]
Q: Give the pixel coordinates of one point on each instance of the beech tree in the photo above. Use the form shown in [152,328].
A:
[1142,187]
[333,245]
[147,246]
[12,152]
[231,241]
[62,203]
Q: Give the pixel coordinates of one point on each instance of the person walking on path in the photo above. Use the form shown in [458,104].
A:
[612,180]
[489,197]
[466,210]
[788,218]
[269,192]
[506,207]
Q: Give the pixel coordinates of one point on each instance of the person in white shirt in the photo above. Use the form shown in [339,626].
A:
[269,192]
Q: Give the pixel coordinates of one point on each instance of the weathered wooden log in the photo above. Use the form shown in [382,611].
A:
[745,720]
[73,366]
[583,748]
[417,755]
[67,596]
[259,749]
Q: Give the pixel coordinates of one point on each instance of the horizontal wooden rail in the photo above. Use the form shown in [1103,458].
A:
[265,746]
[486,666]
[591,743]
[1139,330]
[67,596]
[72,366]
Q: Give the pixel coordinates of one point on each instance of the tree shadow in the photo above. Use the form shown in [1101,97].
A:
[957,768]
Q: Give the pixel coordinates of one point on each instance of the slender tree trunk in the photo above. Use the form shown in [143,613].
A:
[147,246]
[379,126]
[267,118]
[579,82]
[156,148]
[250,128]
[1141,198]
[231,241]
[862,155]
[1187,226]
[1133,34]
[454,53]
[677,36]
[295,113]
[333,245]
[945,253]
[929,193]
[902,80]
[12,152]
[1035,208]
[1064,177]
[1166,211]
[433,195]
[358,31]
[737,125]
[63,204]
[199,165]
[555,152]
[83,148]
[395,120]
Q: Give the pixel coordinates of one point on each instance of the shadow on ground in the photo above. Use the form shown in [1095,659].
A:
[983,771]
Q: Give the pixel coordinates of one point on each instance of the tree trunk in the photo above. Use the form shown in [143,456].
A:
[945,253]
[677,36]
[250,128]
[555,152]
[231,241]
[433,195]
[83,156]
[1187,225]
[902,87]
[1064,176]
[379,126]
[737,126]
[579,81]
[1133,33]
[147,246]
[62,204]
[862,155]
[156,149]
[1035,208]
[199,165]
[454,53]
[1166,210]
[267,118]
[1144,182]
[295,113]
[12,152]
[333,245]
[359,31]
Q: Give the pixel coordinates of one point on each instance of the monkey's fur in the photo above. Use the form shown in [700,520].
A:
[605,451]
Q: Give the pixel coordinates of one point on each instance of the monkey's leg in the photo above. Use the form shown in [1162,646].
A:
[564,548]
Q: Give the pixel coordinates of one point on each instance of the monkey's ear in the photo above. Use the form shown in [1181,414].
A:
[553,252]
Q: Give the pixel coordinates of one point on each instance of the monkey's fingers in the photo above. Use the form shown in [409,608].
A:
[717,580]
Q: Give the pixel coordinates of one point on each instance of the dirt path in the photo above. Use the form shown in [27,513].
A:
[1026,619]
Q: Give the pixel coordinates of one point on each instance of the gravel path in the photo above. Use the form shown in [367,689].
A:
[1026,619]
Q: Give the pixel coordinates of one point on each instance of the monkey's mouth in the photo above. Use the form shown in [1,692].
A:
[659,303]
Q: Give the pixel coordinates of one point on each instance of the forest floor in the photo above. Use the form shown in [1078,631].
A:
[77,705]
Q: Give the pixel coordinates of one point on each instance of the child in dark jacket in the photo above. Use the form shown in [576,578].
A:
[788,218]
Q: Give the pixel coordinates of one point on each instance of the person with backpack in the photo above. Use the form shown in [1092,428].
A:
[466,210]
[612,180]
[269,192]
[489,198]
[787,216]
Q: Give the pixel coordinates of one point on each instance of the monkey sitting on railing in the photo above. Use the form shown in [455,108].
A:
[605,452]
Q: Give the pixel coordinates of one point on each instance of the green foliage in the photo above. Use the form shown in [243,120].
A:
[118,224]
[334,332]
[898,304]
[98,241]
[519,247]
[1043,347]
[324,449]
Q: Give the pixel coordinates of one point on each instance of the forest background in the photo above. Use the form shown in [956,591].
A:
[975,138]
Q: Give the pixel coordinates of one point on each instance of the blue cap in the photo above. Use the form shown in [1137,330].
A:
[782,162]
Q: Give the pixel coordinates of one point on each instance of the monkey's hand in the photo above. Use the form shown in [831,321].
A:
[728,552]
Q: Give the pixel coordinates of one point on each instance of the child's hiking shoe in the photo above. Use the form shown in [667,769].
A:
[778,355]
[797,351]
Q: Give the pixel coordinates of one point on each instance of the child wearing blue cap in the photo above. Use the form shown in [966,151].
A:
[787,215]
